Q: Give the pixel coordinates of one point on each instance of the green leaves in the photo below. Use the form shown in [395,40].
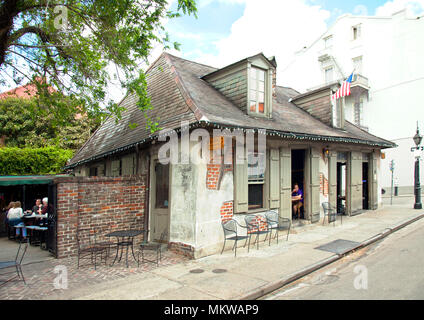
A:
[28,161]
[79,47]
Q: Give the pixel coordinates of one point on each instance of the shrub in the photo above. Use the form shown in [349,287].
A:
[33,161]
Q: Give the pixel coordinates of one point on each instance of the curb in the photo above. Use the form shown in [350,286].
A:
[266,289]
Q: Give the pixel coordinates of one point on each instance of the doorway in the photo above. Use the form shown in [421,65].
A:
[341,187]
[365,186]
[298,176]
[160,178]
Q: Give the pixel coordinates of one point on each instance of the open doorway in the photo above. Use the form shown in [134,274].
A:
[365,187]
[298,177]
[341,185]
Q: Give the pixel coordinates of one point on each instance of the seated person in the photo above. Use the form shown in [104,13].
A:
[37,206]
[297,200]
[14,216]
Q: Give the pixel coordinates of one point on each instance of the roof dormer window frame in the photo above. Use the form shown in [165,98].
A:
[259,91]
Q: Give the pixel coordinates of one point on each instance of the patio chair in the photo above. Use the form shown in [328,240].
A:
[231,233]
[17,264]
[277,223]
[253,228]
[107,244]
[90,250]
[152,246]
[331,213]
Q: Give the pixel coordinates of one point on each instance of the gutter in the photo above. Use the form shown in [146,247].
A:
[282,134]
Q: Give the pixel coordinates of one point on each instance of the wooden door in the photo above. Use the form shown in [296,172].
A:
[159,209]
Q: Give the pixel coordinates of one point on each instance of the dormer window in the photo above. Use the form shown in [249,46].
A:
[257,90]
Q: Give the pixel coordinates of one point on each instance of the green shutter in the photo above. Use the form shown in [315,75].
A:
[274,179]
[332,179]
[241,194]
[373,180]
[115,168]
[128,165]
[314,185]
[355,185]
[285,183]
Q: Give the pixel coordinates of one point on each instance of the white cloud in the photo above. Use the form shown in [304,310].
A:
[360,10]
[276,28]
[413,7]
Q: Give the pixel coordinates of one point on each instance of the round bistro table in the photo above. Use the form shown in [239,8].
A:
[125,239]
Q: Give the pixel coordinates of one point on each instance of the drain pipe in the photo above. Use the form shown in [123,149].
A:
[146,202]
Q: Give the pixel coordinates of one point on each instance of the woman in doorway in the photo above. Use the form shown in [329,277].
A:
[14,217]
[297,200]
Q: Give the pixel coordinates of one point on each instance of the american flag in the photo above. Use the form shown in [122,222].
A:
[344,90]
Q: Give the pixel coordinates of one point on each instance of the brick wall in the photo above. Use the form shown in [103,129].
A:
[97,205]
[226,211]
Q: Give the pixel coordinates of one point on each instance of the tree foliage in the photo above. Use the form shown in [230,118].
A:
[22,126]
[79,47]
[33,161]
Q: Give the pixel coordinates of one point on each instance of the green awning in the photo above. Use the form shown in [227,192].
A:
[21,180]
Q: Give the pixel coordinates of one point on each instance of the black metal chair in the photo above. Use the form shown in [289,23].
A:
[277,223]
[331,213]
[152,246]
[90,250]
[254,228]
[17,264]
[106,244]
[231,233]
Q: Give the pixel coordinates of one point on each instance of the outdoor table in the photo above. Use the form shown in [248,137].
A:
[125,238]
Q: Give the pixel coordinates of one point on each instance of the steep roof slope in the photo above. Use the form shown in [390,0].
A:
[178,94]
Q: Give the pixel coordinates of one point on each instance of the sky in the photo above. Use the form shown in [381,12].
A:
[230,30]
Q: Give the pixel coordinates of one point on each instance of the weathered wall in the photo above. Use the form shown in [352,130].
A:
[97,204]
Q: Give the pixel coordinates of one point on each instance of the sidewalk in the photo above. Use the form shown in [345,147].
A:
[250,274]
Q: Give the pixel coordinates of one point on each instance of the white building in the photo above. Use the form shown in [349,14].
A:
[388,100]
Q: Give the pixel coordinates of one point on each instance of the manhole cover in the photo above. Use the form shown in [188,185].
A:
[197,271]
[339,246]
[219,270]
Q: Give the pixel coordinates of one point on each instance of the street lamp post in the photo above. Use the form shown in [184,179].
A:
[417,140]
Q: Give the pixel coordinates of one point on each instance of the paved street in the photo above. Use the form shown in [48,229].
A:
[394,266]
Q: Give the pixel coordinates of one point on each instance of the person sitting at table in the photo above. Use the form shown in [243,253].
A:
[45,207]
[14,218]
[297,200]
[37,206]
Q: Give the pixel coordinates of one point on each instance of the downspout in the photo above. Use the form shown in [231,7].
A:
[147,204]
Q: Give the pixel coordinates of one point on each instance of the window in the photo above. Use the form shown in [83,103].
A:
[257,90]
[328,42]
[328,73]
[162,185]
[93,172]
[256,180]
[356,32]
[357,64]
[358,112]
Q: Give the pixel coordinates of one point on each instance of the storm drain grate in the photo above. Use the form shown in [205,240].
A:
[197,271]
[339,246]
[219,270]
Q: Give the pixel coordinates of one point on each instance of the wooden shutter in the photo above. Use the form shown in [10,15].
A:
[274,179]
[373,181]
[355,183]
[115,166]
[241,194]
[128,165]
[332,179]
[285,183]
[314,185]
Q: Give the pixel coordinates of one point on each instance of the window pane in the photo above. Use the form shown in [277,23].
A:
[256,166]
[261,97]
[253,95]
[256,196]
[253,73]
[162,185]
[261,75]
[261,87]
[328,75]
[261,107]
[252,106]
